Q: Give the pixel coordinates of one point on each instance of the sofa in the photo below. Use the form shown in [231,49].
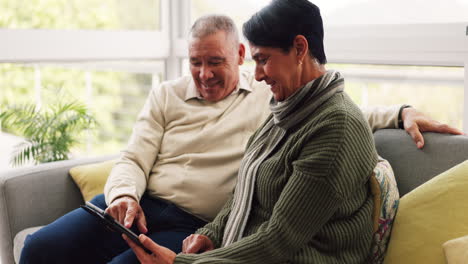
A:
[35,196]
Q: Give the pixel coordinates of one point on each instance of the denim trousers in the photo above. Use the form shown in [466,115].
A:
[79,237]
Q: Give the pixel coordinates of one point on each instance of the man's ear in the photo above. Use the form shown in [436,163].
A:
[301,46]
[241,53]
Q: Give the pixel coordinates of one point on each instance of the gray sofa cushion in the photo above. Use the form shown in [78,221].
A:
[413,166]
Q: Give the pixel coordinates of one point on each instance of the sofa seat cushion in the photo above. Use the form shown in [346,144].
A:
[428,216]
[18,242]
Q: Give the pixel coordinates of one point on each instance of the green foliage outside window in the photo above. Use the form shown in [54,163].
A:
[49,132]
[116,98]
[80,14]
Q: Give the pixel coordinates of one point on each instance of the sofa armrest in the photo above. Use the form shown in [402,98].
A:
[34,196]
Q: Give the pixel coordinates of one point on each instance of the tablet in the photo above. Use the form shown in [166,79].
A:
[113,224]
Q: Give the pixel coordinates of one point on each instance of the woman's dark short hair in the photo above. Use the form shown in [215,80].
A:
[277,24]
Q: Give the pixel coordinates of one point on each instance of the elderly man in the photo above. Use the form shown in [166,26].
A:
[181,163]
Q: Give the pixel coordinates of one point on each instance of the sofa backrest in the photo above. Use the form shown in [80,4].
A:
[413,166]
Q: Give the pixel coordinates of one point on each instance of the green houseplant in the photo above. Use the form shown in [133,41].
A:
[49,132]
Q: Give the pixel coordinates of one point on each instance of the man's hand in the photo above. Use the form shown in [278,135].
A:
[160,254]
[196,243]
[416,122]
[126,210]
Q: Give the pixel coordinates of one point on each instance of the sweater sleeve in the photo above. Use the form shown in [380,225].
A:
[215,229]
[305,205]
[380,117]
[130,174]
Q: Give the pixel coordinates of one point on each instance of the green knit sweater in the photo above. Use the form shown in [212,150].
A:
[311,202]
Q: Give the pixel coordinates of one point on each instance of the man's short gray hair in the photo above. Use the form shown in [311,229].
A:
[210,24]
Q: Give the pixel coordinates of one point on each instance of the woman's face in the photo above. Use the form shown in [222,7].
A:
[278,69]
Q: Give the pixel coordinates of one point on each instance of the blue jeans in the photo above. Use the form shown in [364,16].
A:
[79,237]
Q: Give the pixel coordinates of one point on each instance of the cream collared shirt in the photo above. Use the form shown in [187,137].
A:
[187,150]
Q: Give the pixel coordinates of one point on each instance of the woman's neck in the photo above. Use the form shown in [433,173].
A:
[312,70]
[307,72]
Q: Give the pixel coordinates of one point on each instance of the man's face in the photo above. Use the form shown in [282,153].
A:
[214,64]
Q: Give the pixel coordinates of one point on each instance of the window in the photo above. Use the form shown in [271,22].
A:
[80,14]
[108,53]
[114,92]
[371,12]
[436,91]
[240,11]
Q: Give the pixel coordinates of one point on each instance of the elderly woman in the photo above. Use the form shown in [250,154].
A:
[302,194]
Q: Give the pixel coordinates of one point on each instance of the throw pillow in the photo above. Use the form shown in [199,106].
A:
[91,178]
[456,250]
[386,198]
[428,216]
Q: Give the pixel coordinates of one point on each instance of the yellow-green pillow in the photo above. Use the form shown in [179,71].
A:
[428,216]
[91,178]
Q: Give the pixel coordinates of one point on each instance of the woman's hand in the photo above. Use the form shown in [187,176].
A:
[197,244]
[416,122]
[126,210]
[161,255]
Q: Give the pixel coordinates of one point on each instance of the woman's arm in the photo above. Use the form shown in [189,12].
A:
[215,229]
[330,165]
[307,202]
[295,220]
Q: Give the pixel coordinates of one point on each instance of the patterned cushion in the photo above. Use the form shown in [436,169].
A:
[386,198]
